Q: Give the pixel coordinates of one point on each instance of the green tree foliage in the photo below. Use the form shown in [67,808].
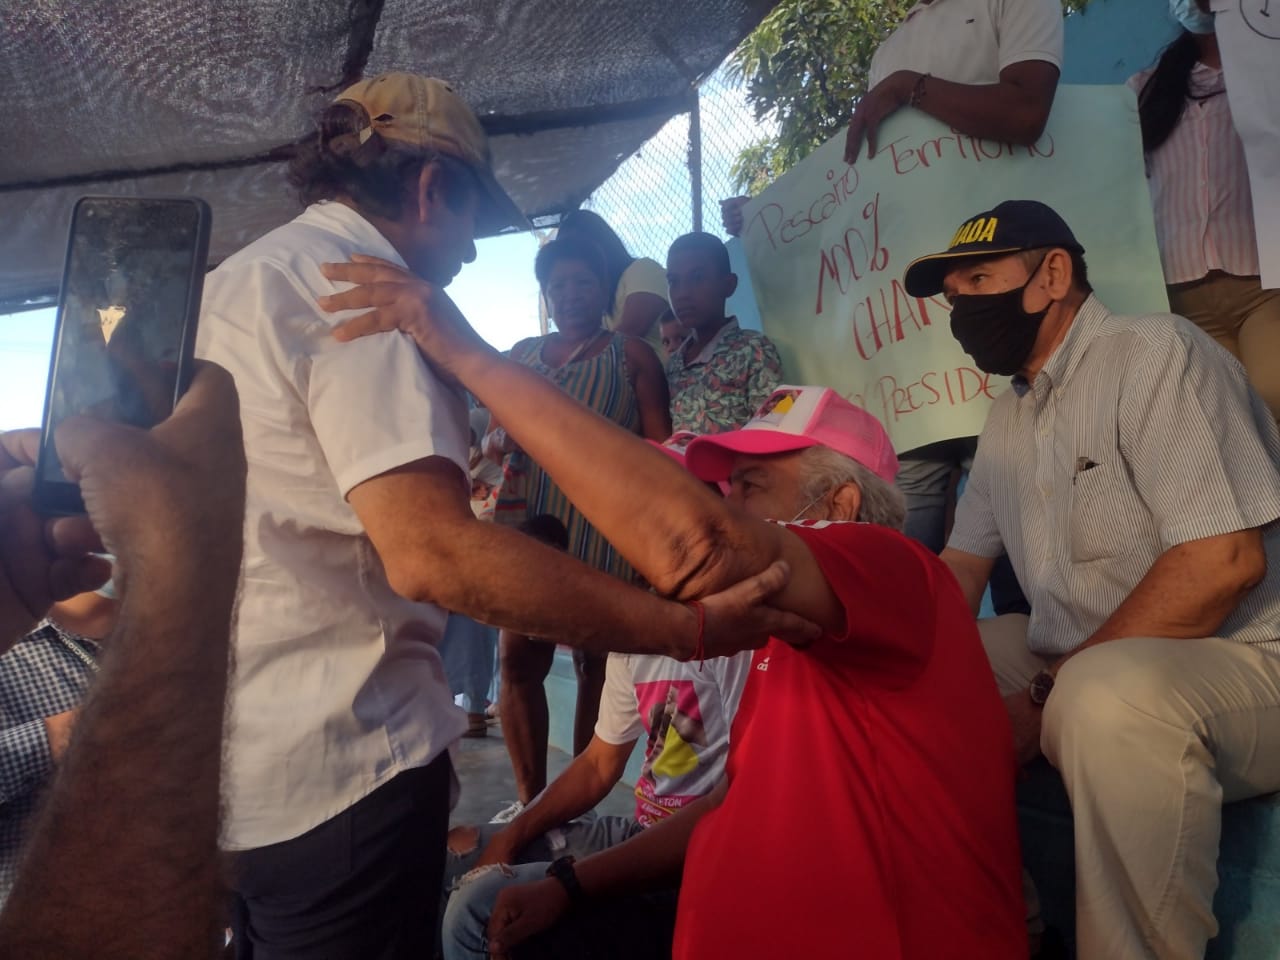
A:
[805,66]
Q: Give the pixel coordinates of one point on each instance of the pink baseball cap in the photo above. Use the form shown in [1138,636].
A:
[795,418]
[675,445]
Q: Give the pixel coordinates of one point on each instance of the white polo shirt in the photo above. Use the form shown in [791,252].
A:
[971,41]
[324,705]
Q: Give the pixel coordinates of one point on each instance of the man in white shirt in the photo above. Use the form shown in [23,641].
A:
[987,67]
[359,535]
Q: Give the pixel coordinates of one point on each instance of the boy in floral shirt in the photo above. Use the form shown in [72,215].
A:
[721,373]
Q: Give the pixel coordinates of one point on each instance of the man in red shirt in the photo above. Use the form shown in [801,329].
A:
[867,808]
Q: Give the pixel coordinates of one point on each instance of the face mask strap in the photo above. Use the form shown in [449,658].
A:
[808,506]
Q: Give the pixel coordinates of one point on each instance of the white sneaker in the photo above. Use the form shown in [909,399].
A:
[509,813]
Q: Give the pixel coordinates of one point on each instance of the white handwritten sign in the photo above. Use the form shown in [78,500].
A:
[827,245]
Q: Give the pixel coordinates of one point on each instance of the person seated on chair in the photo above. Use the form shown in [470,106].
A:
[684,712]
[1132,476]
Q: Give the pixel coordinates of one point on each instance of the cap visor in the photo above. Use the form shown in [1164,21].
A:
[671,452]
[711,458]
[497,210]
[924,275]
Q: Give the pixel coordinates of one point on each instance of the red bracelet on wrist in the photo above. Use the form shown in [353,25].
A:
[699,647]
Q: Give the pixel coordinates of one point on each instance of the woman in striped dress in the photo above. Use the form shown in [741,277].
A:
[621,378]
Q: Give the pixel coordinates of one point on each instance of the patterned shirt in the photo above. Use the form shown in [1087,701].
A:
[603,383]
[1200,187]
[46,673]
[1139,434]
[720,388]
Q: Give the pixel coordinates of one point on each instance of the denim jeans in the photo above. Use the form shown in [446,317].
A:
[924,476]
[466,916]
[468,650]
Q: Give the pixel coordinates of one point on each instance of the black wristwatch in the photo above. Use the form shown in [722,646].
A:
[1041,687]
[563,871]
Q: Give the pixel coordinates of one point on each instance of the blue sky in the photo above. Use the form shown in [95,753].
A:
[646,201]
[497,292]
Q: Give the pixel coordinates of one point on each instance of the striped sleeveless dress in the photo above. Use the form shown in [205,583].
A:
[601,383]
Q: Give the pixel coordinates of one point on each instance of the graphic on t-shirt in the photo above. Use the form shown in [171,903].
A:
[673,717]
[777,406]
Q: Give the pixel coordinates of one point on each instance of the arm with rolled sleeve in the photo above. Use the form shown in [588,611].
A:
[375,406]
[1202,450]
[1014,109]
[1199,443]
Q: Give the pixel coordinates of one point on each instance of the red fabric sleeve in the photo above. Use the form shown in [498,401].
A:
[888,586]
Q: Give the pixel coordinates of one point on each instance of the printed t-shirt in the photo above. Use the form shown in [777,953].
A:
[642,276]
[685,712]
[723,386]
[870,810]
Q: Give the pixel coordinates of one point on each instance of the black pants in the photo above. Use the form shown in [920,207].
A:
[364,885]
[637,927]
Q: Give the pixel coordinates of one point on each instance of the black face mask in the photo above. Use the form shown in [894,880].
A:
[995,330]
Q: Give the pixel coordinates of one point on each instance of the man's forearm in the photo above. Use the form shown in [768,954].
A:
[972,573]
[649,859]
[994,111]
[580,788]
[611,476]
[526,593]
[1188,592]
[140,780]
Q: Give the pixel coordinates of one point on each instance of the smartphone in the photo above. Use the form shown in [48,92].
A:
[125,334]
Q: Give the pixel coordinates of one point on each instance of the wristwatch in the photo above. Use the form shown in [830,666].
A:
[562,870]
[1041,687]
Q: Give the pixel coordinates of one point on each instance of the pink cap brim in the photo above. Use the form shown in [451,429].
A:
[671,452]
[711,458]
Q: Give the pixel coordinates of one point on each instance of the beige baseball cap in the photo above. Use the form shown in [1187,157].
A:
[425,113]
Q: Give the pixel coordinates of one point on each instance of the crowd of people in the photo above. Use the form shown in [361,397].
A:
[235,731]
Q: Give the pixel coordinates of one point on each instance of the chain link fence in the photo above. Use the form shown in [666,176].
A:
[650,199]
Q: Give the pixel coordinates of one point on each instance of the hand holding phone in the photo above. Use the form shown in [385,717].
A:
[127,312]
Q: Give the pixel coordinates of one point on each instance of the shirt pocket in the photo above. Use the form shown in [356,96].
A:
[1096,525]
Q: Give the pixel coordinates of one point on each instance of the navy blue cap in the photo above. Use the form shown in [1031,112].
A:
[1011,227]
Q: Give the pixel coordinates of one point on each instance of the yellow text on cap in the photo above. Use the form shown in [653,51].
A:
[978,230]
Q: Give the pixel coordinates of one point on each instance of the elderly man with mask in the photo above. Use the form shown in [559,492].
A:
[1131,474]
[881,744]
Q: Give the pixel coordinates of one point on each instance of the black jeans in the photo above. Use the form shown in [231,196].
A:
[364,885]
[638,927]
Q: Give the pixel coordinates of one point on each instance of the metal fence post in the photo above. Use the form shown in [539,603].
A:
[695,158]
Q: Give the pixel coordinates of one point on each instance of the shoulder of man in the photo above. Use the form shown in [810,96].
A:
[1159,333]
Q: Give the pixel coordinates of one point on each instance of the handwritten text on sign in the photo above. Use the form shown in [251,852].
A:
[828,243]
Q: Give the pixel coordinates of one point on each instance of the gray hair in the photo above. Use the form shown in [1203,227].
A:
[824,470]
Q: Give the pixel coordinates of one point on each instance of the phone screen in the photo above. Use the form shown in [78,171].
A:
[126,319]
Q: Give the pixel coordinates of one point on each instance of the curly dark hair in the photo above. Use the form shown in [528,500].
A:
[346,158]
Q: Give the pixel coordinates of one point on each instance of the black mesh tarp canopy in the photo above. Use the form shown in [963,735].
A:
[180,96]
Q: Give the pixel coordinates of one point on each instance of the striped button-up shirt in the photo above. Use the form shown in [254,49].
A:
[45,673]
[1139,434]
[1200,187]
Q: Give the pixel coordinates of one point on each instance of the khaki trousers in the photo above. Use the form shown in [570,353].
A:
[1244,318]
[1151,737]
